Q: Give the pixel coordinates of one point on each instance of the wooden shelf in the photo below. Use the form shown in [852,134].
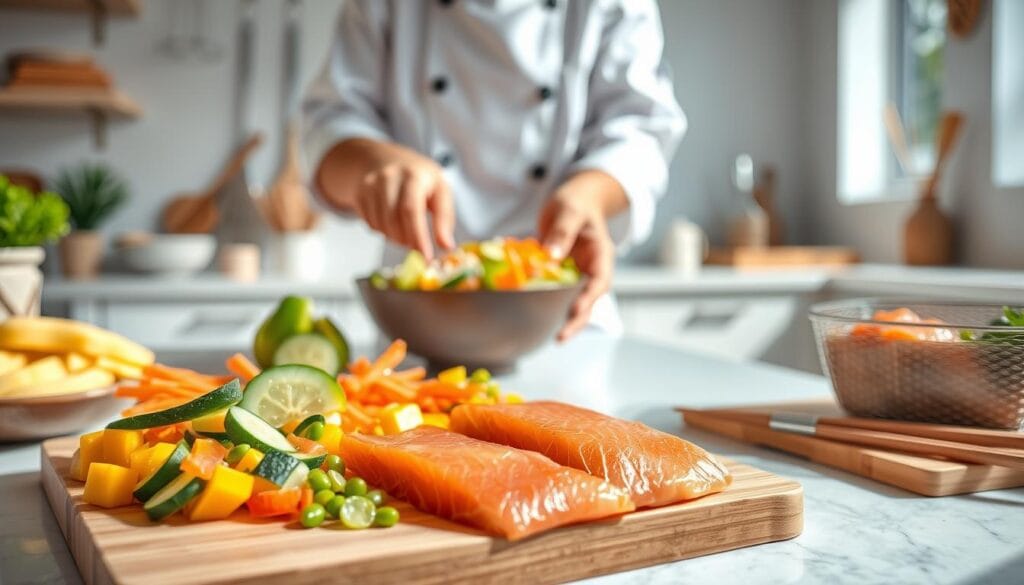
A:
[98,10]
[112,7]
[100,104]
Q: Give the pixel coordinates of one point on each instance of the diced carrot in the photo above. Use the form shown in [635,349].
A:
[167,434]
[206,455]
[275,502]
[241,366]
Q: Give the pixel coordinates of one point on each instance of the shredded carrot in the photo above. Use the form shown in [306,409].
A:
[391,357]
[394,390]
[361,366]
[411,375]
[242,366]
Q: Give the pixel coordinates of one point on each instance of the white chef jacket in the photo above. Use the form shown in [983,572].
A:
[511,97]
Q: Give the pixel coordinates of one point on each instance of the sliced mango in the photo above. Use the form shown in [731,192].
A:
[47,370]
[109,486]
[331,439]
[119,444]
[87,379]
[249,461]
[123,370]
[76,362]
[226,491]
[90,450]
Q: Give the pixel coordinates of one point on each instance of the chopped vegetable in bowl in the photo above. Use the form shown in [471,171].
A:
[498,264]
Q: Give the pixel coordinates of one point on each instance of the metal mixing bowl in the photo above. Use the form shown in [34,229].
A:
[478,329]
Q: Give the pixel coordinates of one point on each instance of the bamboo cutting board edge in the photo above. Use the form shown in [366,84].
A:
[928,477]
[759,507]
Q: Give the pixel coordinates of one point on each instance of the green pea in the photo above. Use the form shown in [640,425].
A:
[333,506]
[355,486]
[313,515]
[336,463]
[378,497]
[337,481]
[480,376]
[385,517]
[236,453]
[323,496]
[314,432]
[318,480]
[493,390]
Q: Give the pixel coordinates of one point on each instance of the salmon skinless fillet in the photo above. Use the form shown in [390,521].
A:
[657,468]
[498,489]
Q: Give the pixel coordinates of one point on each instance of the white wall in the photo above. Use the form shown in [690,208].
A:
[988,218]
[735,63]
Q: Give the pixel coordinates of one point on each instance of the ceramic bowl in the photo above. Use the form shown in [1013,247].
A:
[478,329]
[171,254]
[26,419]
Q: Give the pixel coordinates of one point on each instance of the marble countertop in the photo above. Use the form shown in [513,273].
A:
[630,280]
[855,530]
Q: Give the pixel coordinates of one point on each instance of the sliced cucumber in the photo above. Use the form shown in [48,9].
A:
[282,470]
[173,496]
[309,420]
[324,326]
[212,401]
[245,427]
[311,349]
[285,393]
[163,475]
[311,461]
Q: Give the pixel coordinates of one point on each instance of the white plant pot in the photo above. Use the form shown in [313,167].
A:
[21,281]
[297,255]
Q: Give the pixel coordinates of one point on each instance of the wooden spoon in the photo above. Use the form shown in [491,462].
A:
[289,200]
[949,131]
[196,213]
[928,232]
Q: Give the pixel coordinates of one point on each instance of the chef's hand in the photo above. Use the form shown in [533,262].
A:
[574,222]
[392,188]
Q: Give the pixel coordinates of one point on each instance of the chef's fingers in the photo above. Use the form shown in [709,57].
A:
[412,213]
[387,203]
[597,259]
[443,209]
[367,200]
[559,232]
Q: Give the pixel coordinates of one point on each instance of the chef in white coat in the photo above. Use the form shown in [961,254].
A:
[438,121]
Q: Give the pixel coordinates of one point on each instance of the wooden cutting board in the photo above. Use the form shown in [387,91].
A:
[929,477]
[783,256]
[122,546]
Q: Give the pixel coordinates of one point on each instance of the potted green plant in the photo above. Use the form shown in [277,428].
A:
[93,192]
[27,221]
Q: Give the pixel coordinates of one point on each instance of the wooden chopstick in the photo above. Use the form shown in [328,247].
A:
[925,446]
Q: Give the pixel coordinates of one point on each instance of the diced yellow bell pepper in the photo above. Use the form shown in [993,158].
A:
[512,399]
[249,461]
[90,450]
[456,375]
[437,419]
[109,486]
[331,439]
[397,418]
[224,493]
[118,446]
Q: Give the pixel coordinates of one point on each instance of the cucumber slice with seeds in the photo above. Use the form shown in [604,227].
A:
[285,393]
[246,427]
[163,475]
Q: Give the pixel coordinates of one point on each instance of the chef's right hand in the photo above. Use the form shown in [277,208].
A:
[392,188]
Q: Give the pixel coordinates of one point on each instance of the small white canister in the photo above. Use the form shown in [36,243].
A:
[297,255]
[21,281]
[684,247]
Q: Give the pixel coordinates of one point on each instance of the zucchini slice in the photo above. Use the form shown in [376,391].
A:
[313,418]
[245,427]
[282,470]
[163,475]
[208,403]
[173,496]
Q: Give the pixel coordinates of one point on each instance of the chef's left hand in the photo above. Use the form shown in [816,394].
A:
[574,222]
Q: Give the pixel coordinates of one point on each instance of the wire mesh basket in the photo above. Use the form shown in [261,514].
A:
[935,362]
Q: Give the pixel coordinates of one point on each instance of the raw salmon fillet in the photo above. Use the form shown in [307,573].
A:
[657,468]
[501,490]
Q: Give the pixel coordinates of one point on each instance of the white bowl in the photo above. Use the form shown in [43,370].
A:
[171,254]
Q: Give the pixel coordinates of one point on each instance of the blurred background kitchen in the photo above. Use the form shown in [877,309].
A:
[814,130]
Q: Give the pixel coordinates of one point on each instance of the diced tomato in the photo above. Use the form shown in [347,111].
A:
[206,455]
[275,502]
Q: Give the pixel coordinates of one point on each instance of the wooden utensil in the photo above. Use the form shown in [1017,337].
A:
[764,195]
[804,424]
[963,16]
[897,137]
[289,200]
[928,232]
[921,475]
[196,213]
